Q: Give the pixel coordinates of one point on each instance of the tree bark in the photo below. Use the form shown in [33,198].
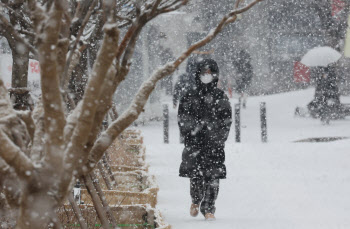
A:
[20,61]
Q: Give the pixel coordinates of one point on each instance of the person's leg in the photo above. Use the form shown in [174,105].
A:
[210,196]
[197,190]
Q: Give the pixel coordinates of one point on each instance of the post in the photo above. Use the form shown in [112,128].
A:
[166,123]
[76,192]
[263,122]
[238,122]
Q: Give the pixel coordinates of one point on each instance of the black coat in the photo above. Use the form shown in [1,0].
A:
[181,87]
[204,119]
[327,85]
[185,82]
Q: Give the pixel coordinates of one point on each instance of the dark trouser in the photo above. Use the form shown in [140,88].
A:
[204,192]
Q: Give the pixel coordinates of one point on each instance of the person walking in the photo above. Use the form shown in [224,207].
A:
[326,103]
[204,119]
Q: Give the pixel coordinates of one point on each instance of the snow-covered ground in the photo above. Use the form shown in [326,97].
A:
[279,184]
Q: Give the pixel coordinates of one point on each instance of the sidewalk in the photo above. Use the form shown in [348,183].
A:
[279,184]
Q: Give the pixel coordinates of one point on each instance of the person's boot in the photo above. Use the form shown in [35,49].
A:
[194,210]
[209,217]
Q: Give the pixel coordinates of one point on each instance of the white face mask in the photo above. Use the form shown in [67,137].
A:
[206,78]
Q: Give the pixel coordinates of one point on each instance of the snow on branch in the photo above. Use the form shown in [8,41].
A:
[105,102]
[173,6]
[52,101]
[66,76]
[26,117]
[90,100]
[11,34]
[231,17]
[14,157]
[129,116]
[244,9]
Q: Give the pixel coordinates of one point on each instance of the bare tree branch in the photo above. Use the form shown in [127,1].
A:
[73,62]
[155,6]
[77,39]
[101,212]
[20,16]
[52,101]
[10,183]
[37,14]
[126,39]
[11,34]
[124,18]
[14,157]
[89,103]
[62,49]
[173,6]
[77,212]
[231,17]
[244,9]
[37,151]
[82,8]
[26,117]
[103,200]
[129,50]
[27,33]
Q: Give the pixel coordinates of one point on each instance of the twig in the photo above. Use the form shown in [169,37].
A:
[85,21]
[104,175]
[12,34]
[109,170]
[124,18]
[16,13]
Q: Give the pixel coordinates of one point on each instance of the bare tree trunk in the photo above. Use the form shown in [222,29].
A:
[37,209]
[20,61]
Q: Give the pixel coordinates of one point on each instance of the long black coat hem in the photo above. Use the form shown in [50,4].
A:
[189,176]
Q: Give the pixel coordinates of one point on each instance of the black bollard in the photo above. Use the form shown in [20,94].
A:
[263,122]
[238,122]
[166,123]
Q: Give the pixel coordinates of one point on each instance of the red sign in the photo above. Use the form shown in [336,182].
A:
[34,66]
[301,73]
[337,7]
